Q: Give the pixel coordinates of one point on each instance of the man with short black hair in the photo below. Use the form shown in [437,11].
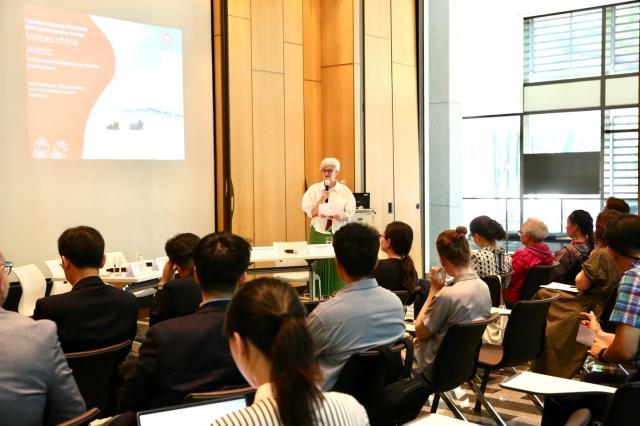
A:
[37,386]
[177,296]
[93,314]
[191,353]
[363,315]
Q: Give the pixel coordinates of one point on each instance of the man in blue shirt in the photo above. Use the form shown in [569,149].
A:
[363,315]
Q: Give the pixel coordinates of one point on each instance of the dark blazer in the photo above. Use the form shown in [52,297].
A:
[177,298]
[92,315]
[179,356]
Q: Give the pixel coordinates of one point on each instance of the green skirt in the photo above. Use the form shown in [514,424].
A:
[330,282]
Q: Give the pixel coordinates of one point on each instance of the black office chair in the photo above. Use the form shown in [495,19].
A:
[495,289]
[456,361]
[405,297]
[523,341]
[420,296]
[12,301]
[247,391]
[96,374]
[623,409]
[82,419]
[311,305]
[536,276]
[366,374]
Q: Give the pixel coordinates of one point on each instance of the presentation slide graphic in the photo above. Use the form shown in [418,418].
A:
[102,88]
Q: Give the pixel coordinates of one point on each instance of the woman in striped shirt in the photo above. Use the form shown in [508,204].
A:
[273,349]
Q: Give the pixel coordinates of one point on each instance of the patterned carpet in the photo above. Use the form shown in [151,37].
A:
[515,408]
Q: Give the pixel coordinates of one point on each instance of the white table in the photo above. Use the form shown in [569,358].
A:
[121,279]
[542,384]
[312,253]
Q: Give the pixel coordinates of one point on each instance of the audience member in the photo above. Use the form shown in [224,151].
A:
[270,343]
[93,314]
[190,353]
[177,296]
[622,237]
[617,204]
[396,272]
[532,232]
[571,257]
[36,384]
[362,315]
[466,299]
[490,259]
[599,278]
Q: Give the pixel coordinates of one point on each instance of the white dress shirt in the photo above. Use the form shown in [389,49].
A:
[339,196]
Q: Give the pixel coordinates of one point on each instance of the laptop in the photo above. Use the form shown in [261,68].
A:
[196,414]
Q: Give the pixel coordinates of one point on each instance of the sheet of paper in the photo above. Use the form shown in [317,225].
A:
[561,286]
[585,335]
[328,209]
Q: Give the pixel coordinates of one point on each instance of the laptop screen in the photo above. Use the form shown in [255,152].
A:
[197,414]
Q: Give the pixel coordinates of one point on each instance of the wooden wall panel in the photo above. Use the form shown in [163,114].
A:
[294,140]
[357,133]
[403,32]
[268,155]
[219,147]
[406,159]
[337,118]
[292,12]
[266,34]
[240,117]
[312,131]
[379,127]
[312,31]
[337,32]
[239,8]
[216,19]
[377,18]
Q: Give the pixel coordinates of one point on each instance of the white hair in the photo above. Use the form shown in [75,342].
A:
[535,228]
[330,161]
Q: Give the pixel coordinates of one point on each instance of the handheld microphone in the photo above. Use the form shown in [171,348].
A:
[327,182]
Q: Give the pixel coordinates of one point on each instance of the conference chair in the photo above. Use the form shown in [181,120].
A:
[523,341]
[34,287]
[405,297]
[59,283]
[365,375]
[12,301]
[247,391]
[495,289]
[623,409]
[421,294]
[96,374]
[456,361]
[82,419]
[311,305]
[536,276]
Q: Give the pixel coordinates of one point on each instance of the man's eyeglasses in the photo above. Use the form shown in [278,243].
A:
[6,267]
[327,170]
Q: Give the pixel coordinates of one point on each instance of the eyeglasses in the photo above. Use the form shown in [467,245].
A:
[327,170]
[7,266]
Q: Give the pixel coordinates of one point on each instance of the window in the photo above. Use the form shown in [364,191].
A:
[621,153]
[622,38]
[563,46]
[562,132]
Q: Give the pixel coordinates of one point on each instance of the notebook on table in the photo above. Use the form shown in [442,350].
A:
[196,414]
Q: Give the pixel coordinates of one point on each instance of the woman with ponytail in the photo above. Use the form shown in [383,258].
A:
[270,343]
[397,271]
[466,299]
[571,257]
[490,259]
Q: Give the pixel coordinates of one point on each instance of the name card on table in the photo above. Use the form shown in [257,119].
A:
[137,269]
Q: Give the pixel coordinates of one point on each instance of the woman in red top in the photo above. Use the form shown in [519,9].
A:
[532,232]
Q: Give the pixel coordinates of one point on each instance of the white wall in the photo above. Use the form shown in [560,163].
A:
[136,205]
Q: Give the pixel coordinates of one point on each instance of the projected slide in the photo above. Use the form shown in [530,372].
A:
[102,88]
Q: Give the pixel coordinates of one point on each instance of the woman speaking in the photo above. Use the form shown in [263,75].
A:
[329,204]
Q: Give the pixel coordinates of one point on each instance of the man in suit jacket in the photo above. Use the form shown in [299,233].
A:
[93,314]
[36,385]
[191,353]
[179,296]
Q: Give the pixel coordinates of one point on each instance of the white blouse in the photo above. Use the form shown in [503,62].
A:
[339,196]
[334,409]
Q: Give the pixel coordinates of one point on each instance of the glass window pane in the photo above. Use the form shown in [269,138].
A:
[592,206]
[494,208]
[547,210]
[490,155]
[562,132]
[621,153]
[622,38]
[513,215]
